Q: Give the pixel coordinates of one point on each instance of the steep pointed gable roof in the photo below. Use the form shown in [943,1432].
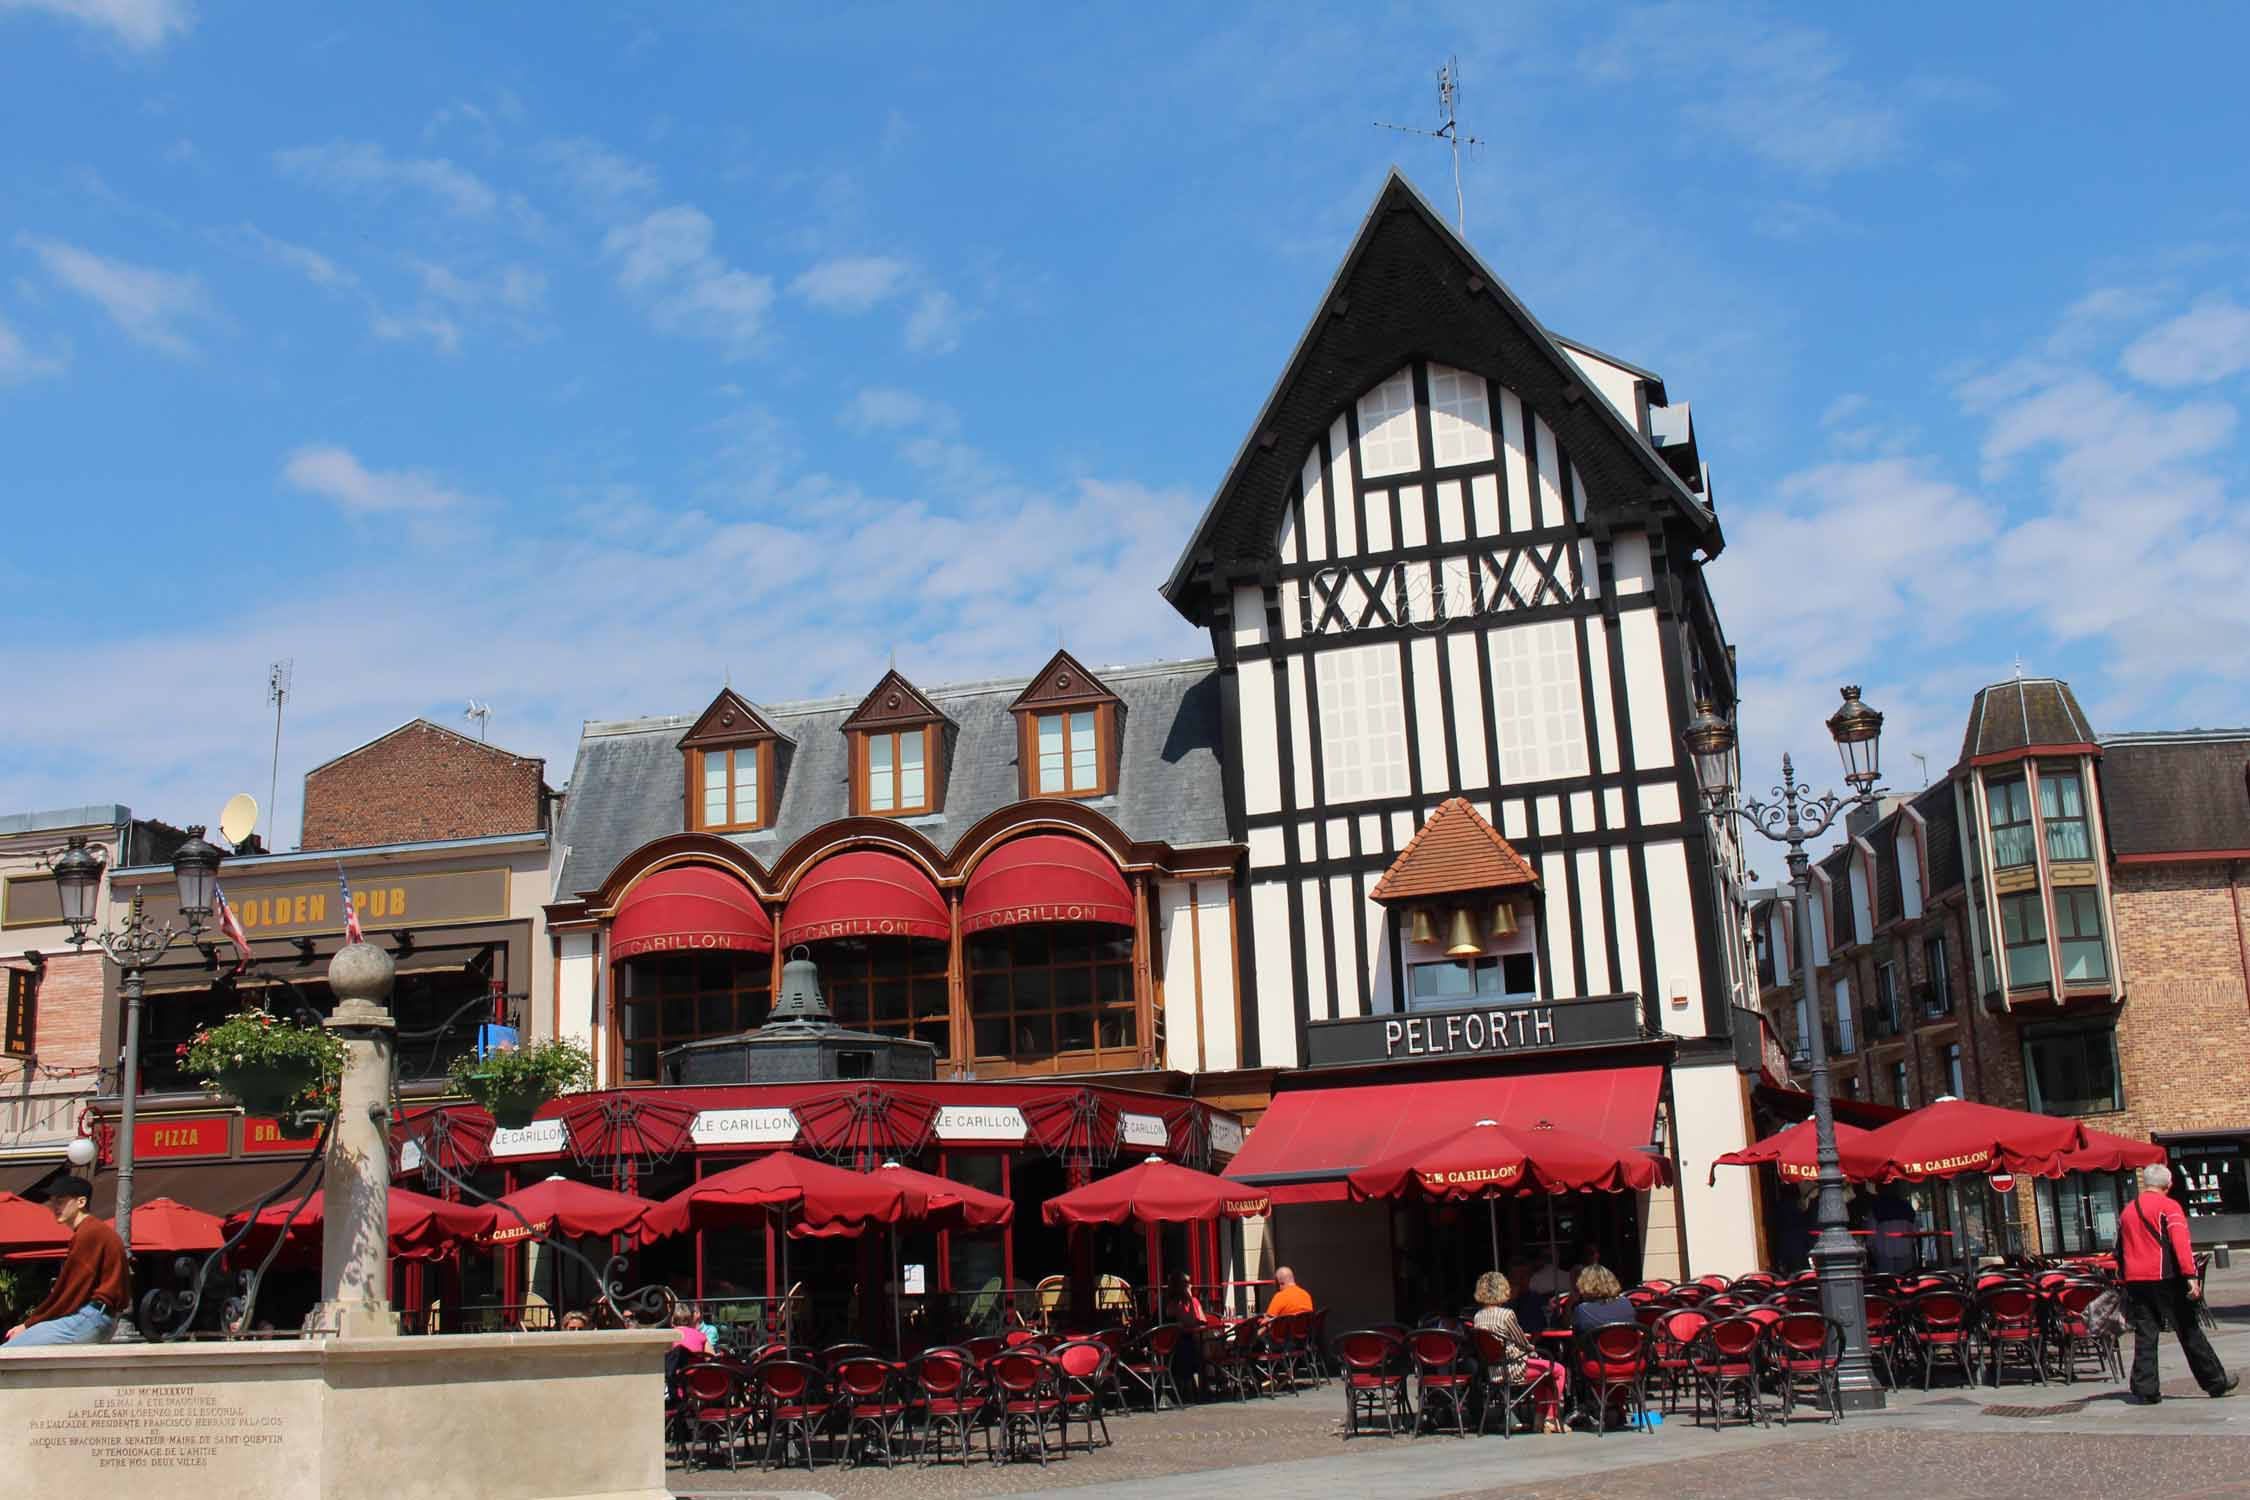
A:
[1063,681]
[1455,851]
[895,702]
[1410,288]
[730,720]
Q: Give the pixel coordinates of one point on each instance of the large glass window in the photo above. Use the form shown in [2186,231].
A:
[2210,1177]
[1043,990]
[1387,442]
[2071,1069]
[1846,1040]
[1901,1090]
[1887,1018]
[1460,416]
[894,986]
[1069,758]
[897,780]
[2023,932]
[2062,807]
[666,999]
[2078,930]
[1511,977]
[1954,1083]
[730,788]
[1362,723]
[1538,708]
[2078,1213]
[1937,999]
[2009,807]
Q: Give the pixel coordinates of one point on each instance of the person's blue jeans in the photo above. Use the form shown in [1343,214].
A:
[88,1325]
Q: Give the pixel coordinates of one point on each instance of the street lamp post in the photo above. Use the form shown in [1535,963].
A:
[133,947]
[1795,817]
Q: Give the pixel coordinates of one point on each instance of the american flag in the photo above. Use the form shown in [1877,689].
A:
[352,934]
[231,925]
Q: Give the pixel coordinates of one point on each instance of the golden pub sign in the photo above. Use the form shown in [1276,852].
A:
[314,907]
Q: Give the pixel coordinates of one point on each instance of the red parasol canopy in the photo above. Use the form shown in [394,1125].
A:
[952,1205]
[164,1226]
[421,1227]
[1793,1152]
[866,1118]
[828,1199]
[2104,1152]
[558,1205]
[28,1228]
[1156,1192]
[1954,1136]
[1488,1159]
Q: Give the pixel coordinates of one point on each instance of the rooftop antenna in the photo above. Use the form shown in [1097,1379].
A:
[278,678]
[1449,96]
[2019,666]
[1924,762]
[482,713]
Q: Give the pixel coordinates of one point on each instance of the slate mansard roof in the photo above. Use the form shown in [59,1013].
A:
[629,783]
[2177,793]
[2024,713]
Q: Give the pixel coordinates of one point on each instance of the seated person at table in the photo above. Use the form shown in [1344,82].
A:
[1289,1299]
[1600,1300]
[1526,1368]
[1182,1307]
[687,1332]
[576,1321]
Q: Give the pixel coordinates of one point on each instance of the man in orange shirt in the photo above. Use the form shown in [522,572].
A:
[1289,1298]
[93,1284]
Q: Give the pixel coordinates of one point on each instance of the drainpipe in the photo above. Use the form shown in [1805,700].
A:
[2234,896]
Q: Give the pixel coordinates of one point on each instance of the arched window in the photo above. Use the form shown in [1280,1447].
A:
[1054,994]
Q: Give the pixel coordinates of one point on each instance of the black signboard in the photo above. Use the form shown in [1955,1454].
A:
[1496,1029]
[22,1019]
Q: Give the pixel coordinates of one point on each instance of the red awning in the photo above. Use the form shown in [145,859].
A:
[690,908]
[1311,1139]
[1046,877]
[864,893]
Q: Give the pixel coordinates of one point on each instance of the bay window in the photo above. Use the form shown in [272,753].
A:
[1069,753]
[2008,806]
[897,771]
[2023,933]
[2062,807]
[2078,932]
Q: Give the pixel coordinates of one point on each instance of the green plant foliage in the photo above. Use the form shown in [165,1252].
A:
[253,1045]
[559,1065]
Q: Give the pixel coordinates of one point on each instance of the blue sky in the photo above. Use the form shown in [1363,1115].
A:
[575,359]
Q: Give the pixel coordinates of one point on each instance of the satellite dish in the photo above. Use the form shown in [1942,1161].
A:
[238,817]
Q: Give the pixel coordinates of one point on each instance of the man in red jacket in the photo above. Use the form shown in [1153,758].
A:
[2160,1280]
[91,1287]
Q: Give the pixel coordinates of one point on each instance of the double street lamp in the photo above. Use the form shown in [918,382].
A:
[1794,817]
[133,947]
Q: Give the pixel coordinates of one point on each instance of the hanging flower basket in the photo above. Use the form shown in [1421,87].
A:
[512,1082]
[270,1067]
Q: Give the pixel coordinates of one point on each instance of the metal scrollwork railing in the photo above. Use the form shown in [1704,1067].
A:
[167,1313]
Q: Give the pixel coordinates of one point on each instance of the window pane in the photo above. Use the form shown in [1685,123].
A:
[1082,777]
[988,996]
[910,779]
[1519,974]
[715,789]
[882,783]
[1435,983]
[746,785]
[990,1036]
[1074,1031]
[1051,757]
[1034,1036]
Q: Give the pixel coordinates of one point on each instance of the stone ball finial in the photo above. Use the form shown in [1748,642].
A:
[361,972]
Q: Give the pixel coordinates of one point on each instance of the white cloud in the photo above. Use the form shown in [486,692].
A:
[852,283]
[305,261]
[143,25]
[603,179]
[666,259]
[882,408]
[364,167]
[936,323]
[442,332]
[2206,344]
[335,475]
[18,363]
[148,305]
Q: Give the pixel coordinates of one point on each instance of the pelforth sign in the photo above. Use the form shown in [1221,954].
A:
[1474,1031]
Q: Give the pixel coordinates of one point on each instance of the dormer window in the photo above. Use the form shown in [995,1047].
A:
[1067,726]
[733,767]
[898,744]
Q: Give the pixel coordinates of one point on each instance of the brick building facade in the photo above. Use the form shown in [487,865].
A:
[2059,925]
[420,783]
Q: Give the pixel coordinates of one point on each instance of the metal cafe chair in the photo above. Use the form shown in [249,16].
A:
[2071,1329]
[1670,1339]
[1444,1372]
[953,1403]
[868,1407]
[1613,1361]
[1725,1359]
[2011,1330]
[1804,1350]
[1027,1389]
[792,1399]
[1375,1371]
[714,1410]
[1149,1365]
[1882,1334]
[1085,1367]
[1940,1323]
[1501,1393]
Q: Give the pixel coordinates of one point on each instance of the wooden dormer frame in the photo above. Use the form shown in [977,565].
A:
[898,708]
[1064,686]
[732,723]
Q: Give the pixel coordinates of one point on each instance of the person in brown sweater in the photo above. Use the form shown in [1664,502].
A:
[94,1285]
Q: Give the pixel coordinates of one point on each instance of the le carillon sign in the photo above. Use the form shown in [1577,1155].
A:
[1478,1031]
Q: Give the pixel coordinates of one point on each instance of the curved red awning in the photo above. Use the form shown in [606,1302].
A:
[690,908]
[1046,877]
[864,893]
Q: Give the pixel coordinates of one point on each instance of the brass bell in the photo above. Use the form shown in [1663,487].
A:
[1504,920]
[1462,942]
[1425,931]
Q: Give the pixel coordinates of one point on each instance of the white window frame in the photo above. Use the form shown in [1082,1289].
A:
[1388,443]
[1538,701]
[1362,722]
[1460,417]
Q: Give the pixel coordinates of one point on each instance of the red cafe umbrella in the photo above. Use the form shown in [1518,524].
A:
[421,1227]
[1156,1192]
[2104,1152]
[557,1205]
[1793,1153]
[28,1228]
[1955,1136]
[952,1205]
[161,1226]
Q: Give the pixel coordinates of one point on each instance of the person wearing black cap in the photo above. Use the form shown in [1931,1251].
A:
[94,1284]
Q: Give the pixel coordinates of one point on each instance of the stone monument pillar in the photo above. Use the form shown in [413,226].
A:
[355,1262]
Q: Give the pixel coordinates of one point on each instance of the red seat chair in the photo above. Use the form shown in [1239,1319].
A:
[1726,1358]
[953,1403]
[1232,1356]
[1673,1336]
[1149,1364]
[1804,1350]
[715,1408]
[2012,1331]
[1882,1335]
[869,1406]
[1939,1323]
[792,1400]
[1613,1369]
[1085,1368]
[1027,1389]
[1444,1371]
[1501,1393]
[1375,1370]
[984,1347]
[2070,1327]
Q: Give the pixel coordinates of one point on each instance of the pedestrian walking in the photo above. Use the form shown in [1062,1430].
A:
[2158,1262]
[93,1284]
